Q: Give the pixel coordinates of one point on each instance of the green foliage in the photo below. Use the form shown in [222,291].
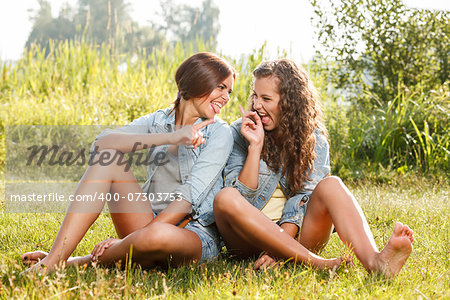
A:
[81,84]
[408,133]
[187,23]
[381,47]
[383,72]
[109,22]
[46,28]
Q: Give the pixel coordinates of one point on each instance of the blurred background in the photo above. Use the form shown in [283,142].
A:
[381,67]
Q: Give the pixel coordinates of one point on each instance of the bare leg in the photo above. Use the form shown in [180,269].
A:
[152,245]
[245,229]
[155,245]
[99,180]
[331,203]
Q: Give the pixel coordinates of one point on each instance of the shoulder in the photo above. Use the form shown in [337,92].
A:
[236,129]
[220,129]
[237,124]
[162,115]
[158,116]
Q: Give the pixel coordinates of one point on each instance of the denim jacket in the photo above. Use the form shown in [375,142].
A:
[268,180]
[200,169]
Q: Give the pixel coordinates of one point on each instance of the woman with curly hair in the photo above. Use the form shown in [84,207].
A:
[279,171]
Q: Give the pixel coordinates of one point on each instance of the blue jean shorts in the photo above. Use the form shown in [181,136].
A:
[209,237]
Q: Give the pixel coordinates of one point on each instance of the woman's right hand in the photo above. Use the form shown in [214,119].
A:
[101,247]
[190,135]
[252,128]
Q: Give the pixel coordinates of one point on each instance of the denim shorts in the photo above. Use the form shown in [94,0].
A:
[209,237]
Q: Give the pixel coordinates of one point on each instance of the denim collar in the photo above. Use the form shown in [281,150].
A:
[169,120]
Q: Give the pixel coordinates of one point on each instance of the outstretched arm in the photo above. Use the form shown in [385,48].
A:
[136,136]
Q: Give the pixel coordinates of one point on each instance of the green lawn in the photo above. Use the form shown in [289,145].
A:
[420,203]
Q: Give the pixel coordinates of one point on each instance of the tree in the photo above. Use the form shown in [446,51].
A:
[103,21]
[381,46]
[108,22]
[187,23]
[46,27]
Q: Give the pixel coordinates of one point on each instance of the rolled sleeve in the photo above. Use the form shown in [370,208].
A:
[245,191]
[184,192]
[141,125]
[294,211]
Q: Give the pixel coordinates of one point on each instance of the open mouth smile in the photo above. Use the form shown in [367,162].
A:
[217,106]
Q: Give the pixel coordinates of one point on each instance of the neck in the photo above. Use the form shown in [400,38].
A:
[185,114]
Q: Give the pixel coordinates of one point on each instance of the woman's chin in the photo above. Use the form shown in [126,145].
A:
[268,127]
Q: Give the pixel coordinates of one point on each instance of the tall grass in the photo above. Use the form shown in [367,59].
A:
[77,83]
[410,132]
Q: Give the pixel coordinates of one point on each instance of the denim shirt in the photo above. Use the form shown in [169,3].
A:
[268,180]
[200,169]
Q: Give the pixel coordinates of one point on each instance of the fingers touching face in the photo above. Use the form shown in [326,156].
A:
[266,101]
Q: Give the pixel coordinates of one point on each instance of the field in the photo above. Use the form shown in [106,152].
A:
[79,85]
[421,204]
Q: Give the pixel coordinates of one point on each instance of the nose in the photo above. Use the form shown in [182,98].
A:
[256,103]
[226,96]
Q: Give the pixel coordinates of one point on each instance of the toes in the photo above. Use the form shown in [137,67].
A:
[398,228]
[408,232]
[33,256]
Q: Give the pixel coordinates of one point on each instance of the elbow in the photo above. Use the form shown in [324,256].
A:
[103,143]
[99,145]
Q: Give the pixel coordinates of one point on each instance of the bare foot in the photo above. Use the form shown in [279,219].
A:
[43,266]
[31,258]
[334,263]
[394,255]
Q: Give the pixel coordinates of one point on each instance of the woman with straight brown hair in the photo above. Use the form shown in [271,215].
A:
[189,146]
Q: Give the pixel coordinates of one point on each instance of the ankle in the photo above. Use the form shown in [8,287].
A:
[373,262]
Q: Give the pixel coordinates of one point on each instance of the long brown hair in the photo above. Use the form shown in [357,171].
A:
[200,74]
[290,146]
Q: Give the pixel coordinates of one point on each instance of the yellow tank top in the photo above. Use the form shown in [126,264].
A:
[274,207]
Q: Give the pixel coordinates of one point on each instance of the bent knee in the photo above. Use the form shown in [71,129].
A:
[330,184]
[332,180]
[107,157]
[226,200]
[153,238]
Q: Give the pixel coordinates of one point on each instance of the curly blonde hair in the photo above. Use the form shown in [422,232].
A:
[289,148]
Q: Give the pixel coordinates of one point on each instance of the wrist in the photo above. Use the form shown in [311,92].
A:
[171,138]
[255,148]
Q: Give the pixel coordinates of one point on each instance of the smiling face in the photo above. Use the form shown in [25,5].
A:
[209,106]
[266,101]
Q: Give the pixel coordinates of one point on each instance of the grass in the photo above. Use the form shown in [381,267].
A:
[421,204]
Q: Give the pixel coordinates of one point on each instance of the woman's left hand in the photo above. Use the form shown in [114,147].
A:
[101,247]
[252,128]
